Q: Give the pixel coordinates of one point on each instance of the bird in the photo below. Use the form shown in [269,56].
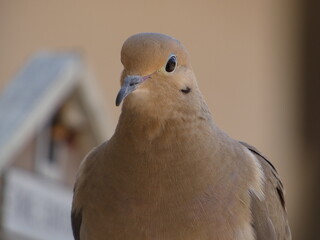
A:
[169,172]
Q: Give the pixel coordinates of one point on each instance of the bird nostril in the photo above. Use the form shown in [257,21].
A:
[134,82]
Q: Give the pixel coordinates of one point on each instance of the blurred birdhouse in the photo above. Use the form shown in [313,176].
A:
[49,119]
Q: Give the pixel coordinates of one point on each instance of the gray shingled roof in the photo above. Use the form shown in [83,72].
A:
[32,95]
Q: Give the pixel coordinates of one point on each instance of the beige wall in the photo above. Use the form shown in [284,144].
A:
[245,55]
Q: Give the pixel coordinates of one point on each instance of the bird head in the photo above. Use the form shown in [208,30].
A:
[157,76]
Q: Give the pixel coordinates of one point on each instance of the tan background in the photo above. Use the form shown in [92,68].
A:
[246,55]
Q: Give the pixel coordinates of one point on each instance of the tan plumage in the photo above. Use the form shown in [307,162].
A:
[169,172]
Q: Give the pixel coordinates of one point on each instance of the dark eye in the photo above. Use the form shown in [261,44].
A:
[171,64]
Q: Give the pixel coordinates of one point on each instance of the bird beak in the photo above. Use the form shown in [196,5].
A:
[130,84]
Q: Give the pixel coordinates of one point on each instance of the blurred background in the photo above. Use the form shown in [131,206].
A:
[257,64]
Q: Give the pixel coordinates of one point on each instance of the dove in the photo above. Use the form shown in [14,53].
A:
[168,172]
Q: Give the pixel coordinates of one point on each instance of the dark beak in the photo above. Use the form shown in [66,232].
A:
[130,84]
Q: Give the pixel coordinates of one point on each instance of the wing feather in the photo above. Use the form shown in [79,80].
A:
[269,215]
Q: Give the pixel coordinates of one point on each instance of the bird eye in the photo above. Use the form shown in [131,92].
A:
[171,64]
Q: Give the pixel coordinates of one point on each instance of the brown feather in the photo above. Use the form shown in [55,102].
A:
[169,172]
[76,219]
[269,216]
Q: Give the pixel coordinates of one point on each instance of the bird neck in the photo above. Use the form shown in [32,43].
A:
[144,129]
[182,147]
